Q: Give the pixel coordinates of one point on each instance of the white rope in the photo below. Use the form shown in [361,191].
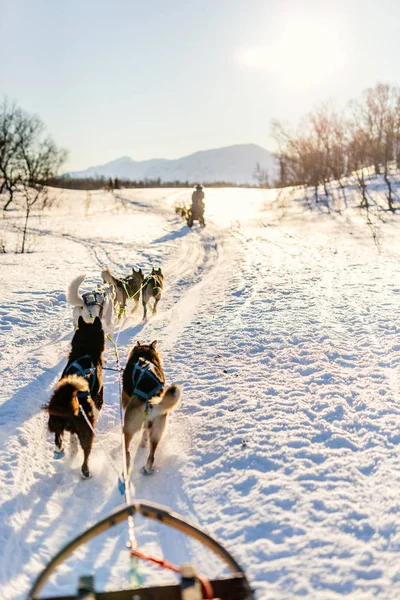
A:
[133,544]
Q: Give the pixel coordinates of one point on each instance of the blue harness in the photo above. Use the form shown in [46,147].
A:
[146,383]
[76,369]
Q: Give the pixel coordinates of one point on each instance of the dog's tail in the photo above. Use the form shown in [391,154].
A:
[72,291]
[169,400]
[64,401]
[108,278]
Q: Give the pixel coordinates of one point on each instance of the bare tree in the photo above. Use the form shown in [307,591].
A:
[10,117]
[41,160]
[28,158]
[331,145]
[261,176]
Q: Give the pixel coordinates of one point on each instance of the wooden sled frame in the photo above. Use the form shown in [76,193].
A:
[234,588]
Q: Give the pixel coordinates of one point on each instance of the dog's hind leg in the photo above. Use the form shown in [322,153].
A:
[156,301]
[133,422]
[156,428]
[56,426]
[135,306]
[85,436]
[59,451]
[86,444]
[144,308]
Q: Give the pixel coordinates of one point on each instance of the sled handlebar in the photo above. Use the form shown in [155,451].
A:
[147,510]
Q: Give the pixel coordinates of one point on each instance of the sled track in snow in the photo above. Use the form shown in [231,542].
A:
[40,491]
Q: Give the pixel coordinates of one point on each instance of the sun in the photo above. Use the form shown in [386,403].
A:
[305,52]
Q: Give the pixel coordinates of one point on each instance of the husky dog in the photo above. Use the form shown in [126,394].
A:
[144,400]
[79,389]
[98,303]
[182,211]
[125,289]
[152,288]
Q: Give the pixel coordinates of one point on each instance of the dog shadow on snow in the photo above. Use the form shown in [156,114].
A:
[45,531]
[29,400]
[184,230]
[127,337]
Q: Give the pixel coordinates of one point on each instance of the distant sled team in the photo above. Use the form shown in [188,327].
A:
[78,396]
[104,300]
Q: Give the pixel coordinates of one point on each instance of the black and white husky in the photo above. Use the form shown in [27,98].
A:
[97,303]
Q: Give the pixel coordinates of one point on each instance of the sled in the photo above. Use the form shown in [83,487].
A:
[193,216]
[235,587]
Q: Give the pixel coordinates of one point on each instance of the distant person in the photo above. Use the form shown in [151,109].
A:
[196,212]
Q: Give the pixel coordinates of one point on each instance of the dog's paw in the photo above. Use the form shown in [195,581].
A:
[58,454]
[145,471]
[86,473]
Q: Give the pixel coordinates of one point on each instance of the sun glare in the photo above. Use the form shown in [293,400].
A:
[305,53]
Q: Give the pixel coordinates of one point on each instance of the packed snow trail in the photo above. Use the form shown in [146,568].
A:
[284,335]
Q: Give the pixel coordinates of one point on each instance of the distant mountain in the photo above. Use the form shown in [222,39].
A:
[235,164]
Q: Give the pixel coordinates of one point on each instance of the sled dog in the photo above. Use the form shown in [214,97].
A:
[125,289]
[144,400]
[98,303]
[79,389]
[152,288]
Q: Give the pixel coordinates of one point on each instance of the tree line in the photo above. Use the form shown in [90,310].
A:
[331,144]
[110,184]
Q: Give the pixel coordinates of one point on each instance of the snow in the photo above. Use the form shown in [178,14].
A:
[281,325]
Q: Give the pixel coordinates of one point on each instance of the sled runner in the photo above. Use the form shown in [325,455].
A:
[191,587]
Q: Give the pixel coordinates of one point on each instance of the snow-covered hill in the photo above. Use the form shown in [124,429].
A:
[234,164]
[282,326]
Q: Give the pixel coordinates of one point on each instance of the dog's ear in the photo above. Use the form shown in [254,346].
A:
[153,344]
[81,322]
[97,323]
[137,344]
[140,271]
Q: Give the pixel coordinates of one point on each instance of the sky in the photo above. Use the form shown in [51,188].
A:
[165,78]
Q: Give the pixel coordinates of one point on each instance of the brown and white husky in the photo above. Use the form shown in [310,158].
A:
[144,400]
[78,396]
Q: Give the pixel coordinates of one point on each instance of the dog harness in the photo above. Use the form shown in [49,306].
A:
[96,298]
[76,369]
[146,383]
[125,284]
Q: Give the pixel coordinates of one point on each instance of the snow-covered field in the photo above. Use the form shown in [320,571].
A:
[282,326]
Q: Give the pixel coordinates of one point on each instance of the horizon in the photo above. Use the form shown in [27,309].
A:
[173,158]
[144,82]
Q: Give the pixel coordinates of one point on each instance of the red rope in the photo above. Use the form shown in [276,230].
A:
[208,592]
